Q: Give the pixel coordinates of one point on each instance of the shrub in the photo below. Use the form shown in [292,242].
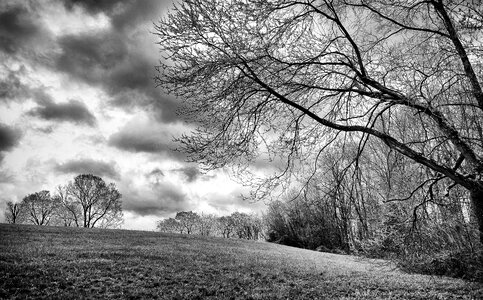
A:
[462,264]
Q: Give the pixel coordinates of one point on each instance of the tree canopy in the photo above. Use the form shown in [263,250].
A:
[93,202]
[284,80]
[39,207]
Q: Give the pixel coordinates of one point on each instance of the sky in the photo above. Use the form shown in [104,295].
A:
[77,96]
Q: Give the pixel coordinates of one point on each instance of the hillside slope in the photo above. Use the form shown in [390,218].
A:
[57,262]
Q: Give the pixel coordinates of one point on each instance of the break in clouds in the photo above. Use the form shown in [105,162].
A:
[77,95]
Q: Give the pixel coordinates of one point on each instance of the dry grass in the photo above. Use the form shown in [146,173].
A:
[65,263]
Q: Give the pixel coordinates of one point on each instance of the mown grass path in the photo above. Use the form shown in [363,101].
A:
[72,263]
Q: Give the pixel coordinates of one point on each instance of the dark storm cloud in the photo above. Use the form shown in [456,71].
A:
[72,111]
[16,27]
[191,173]
[137,13]
[122,58]
[106,59]
[9,137]
[145,139]
[91,57]
[133,142]
[88,166]
[160,199]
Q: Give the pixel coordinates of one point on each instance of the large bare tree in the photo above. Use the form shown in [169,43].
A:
[91,202]
[284,79]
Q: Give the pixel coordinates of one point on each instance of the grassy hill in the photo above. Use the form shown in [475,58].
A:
[66,263]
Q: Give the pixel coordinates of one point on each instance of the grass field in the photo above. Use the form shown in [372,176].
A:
[66,263]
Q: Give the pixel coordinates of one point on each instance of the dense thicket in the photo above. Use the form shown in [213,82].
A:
[381,210]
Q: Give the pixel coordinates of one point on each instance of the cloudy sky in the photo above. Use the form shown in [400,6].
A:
[77,96]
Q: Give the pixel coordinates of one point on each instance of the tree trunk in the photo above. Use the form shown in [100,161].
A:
[85,218]
[477,205]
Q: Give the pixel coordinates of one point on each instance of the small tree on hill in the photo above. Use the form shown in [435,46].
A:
[226,225]
[13,212]
[40,207]
[170,225]
[246,226]
[189,220]
[207,224]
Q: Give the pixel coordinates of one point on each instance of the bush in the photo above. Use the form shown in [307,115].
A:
[428,251]
[380,246]
[463,264]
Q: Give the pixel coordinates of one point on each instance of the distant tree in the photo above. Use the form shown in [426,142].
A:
[170,225]
[189,220]
[226,225]
[242,225]
[88,199]
[207,224]
[40,207]
[246,226]
[13,212]
[258,227]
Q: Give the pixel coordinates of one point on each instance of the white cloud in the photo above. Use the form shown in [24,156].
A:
[71,21]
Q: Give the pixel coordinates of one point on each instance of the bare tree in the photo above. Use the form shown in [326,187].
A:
[207,224]
[69,212]
[40,207]
[246,226]
[287,78]
[226,225]
[189,220]
[89,200]
[13,212]
[170,225]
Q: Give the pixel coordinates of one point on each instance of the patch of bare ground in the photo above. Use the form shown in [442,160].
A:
[71,263]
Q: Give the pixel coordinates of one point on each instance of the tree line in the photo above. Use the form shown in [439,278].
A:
[87,201]
[236,225]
